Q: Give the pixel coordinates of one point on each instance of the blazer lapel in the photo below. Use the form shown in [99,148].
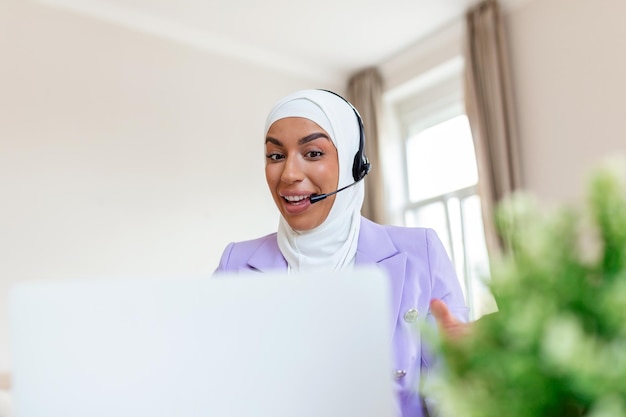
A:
[376,247]
[267,257]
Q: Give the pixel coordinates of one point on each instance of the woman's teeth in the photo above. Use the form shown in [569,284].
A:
[295,198]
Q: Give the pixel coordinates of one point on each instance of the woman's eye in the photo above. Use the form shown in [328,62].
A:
[274,156]
[314,154]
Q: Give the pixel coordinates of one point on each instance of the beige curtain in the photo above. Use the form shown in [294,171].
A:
[365,92]
[488,97]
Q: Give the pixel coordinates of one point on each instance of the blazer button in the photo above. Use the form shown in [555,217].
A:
[411,315]
[399,373]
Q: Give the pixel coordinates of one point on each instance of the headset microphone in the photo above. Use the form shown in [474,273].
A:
[319,197]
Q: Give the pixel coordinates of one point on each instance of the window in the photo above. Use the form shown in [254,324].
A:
[440,182]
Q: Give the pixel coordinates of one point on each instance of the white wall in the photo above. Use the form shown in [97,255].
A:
[123,154]
[569,71]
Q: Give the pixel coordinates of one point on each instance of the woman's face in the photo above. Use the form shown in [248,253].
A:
[300,160]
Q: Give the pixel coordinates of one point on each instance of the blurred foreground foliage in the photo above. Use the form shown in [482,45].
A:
[557,345]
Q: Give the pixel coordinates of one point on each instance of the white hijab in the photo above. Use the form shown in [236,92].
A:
[331,245]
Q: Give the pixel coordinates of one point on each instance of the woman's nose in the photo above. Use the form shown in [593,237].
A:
[292,171]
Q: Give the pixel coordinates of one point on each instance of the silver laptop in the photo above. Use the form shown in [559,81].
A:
[261,345]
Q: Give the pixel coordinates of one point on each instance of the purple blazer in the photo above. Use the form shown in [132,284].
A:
[419,270]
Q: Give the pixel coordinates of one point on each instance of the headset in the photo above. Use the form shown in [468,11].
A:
[361,165]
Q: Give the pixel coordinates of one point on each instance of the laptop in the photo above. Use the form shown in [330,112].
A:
[267,345]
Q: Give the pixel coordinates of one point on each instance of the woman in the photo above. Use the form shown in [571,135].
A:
[314,146]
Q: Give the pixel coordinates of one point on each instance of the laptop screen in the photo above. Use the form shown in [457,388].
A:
[248,345]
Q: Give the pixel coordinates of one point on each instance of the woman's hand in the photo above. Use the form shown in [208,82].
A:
[449,326]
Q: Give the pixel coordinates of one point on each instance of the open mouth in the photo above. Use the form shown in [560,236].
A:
[296,199]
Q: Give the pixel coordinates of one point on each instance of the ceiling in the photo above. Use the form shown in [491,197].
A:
[321,39]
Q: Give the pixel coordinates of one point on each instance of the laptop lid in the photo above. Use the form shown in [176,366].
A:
[260,345]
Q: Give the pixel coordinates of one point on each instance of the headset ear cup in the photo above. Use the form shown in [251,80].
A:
[357,170]
[360,166]
[366,166]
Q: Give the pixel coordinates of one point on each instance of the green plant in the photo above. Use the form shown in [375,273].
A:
[557,345]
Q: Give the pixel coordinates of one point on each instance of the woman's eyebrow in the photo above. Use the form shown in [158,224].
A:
[311,137]
[302,141]
[274,141]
